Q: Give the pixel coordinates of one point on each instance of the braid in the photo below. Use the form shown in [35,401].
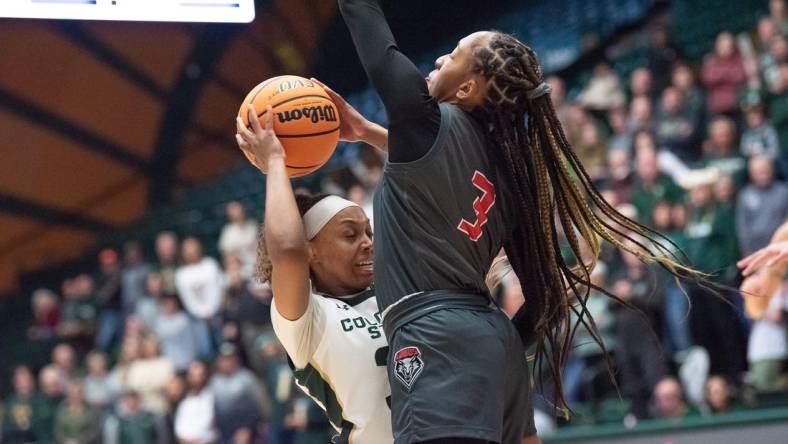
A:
[549,185]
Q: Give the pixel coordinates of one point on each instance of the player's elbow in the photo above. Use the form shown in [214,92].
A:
[288,250]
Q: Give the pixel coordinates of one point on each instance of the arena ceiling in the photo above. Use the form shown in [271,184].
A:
[98,120]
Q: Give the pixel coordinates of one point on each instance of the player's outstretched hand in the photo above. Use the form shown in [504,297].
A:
[352,125]
[772,254]
[260,144]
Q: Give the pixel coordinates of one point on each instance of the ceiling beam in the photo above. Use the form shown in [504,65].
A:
[50,215]
[81,136]
[103,52]
[209,45]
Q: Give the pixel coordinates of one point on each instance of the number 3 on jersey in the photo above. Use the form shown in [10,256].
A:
[481,206]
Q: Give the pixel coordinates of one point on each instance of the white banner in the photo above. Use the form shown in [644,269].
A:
[222,11]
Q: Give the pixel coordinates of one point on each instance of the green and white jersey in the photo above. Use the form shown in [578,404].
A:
[338,350]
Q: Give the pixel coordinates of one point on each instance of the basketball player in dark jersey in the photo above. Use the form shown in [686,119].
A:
[477,162]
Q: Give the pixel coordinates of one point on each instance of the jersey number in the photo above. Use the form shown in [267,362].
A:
[481,206]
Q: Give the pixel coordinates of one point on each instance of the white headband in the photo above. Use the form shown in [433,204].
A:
[318,216]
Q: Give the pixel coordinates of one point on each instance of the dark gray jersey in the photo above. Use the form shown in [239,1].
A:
[439,220]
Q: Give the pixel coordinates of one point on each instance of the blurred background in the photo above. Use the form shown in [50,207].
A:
[119,171]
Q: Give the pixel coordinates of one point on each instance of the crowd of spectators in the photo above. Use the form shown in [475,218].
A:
[699,152]
[180,348]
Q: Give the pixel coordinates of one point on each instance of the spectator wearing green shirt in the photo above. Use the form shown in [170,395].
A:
[75,421]
[135,425]
[715,324]
[778,114]
[721,150]
[79,311]
[18,409]
[51,386]
[651,186]
[760,137]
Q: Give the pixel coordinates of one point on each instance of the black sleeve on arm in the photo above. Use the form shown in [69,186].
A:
[414,116]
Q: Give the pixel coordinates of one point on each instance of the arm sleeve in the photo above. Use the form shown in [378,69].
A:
[414,116]
[301,337]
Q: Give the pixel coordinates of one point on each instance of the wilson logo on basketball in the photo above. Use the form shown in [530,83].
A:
[316,114]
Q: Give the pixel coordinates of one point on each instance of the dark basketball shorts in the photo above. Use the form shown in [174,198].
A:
[460,373]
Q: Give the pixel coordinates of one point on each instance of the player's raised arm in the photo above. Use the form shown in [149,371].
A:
[414,116]
[284,230]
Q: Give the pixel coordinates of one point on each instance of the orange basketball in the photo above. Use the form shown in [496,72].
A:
[305,120]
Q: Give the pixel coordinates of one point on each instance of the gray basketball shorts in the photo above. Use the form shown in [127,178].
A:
[459,373]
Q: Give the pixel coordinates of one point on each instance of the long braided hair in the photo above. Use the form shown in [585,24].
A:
[552,194]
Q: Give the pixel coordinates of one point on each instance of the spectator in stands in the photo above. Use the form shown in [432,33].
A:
[620,139]
[279,384]
[79,311]
[591,150]
[718,396]
[668,400]
[604,91]
[715,323]
[641,116]
[237,397]
[638,356]
[149,376]
[108,299]
[768,346]
[762,206]
[765,30]
[49,400]
[200,285]
[694,99]
[239,236]
[46,315]
[721,150]
[130,351]
[99,392]
[361,196]
[167,255]
[147,307]
[64,360]
[134,276]
[620,177]
[760,136]
[650,185]
[671,220]
[173,328]
[19,409]
[662,54]
[771,60]
[76,422]
[248,305]
[675,127]
[641,84]
[723,75]
[174,393]
[194,419]
[778,15]
[778,115]
[586,353]
[135,425]
[725,198]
